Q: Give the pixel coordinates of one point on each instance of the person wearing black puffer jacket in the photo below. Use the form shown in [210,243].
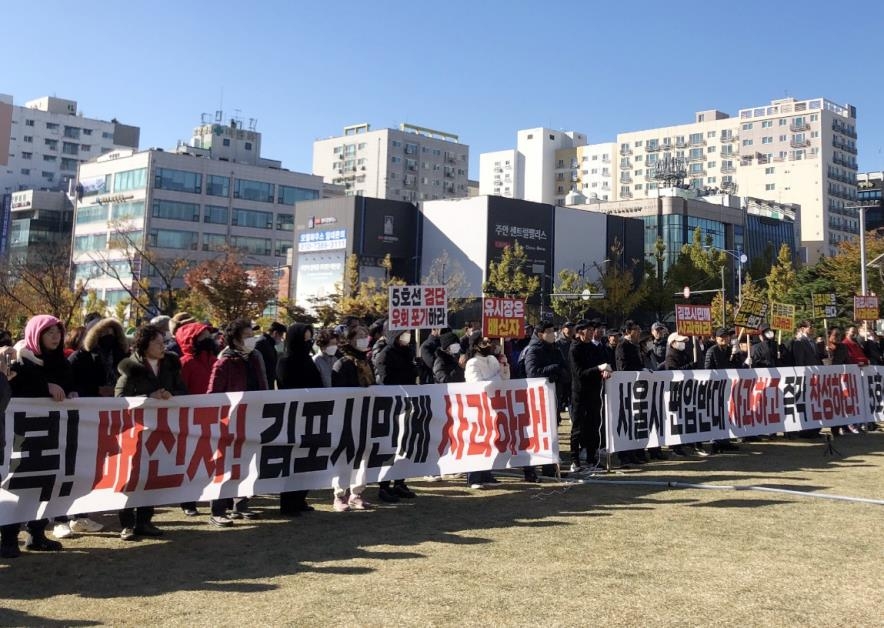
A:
[447,367]
[296,369]
[395,366]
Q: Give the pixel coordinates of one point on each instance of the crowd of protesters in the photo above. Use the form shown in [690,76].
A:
[176,356]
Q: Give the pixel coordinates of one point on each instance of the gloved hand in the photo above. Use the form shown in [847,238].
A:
[605,367]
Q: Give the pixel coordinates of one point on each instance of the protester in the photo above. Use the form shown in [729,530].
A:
[428,355]
[175,323]
[448,365]
[765,353]
[41,370]
[803,352]
[152,372]
[628,357]
[352,370]
[469,328]
[237,369]
[395,366]
[327,342]
[841,352]
[543,359]
[296,369]
[270,346]
[74,340]
[483,366]
[680,357]
[96,362]
[658,346]
[721,356]
[589,370]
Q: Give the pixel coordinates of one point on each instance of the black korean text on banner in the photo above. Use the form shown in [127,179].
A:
[503,317]
[675,407]
[782,317]
[865,308]
[693,320]
[751,314]
[825,305]
[95,455]
[417,307]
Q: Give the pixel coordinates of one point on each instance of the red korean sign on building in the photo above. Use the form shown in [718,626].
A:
[417,307]
[503,318]
[865,308]
[693,320]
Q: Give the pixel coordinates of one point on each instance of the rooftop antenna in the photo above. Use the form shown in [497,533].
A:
[219,113]
[253,123]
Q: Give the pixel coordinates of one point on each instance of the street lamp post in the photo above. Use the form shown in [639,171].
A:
[741,259]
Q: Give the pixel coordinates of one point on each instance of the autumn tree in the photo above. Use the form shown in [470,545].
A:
[366,297]
[659,291]
[621,287]
[288,311]
[40,283]
[230,290]
[571,283]
[447,272]
[781,277]
[508,277]
[151,282]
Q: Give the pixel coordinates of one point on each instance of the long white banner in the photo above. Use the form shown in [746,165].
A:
[644,409]
[94,455]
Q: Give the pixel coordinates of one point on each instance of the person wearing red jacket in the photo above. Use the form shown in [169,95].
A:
[197,359]
[197,356]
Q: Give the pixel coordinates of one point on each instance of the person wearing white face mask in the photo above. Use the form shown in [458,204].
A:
[327,341]
[765,353]
[447,368]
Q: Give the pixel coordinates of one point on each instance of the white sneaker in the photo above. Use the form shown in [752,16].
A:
[432,478]
[477,487]
[357,503]
[575,468]
[61,530]
[85,525]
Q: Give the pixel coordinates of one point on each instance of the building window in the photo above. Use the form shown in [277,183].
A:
[178,180]
[769,186]
[256,246]
[253,190]
[767,140]
[48,157]
[29,139]
[87,131]
[769,170]
[52,144]
[252,219]
[289,195]
[29,123]
[217,185]
[27,155]
[225,141]
[248,146]
[69,148]
[72,132]
[766,124]
[169,239]
[174,210]
[130,180]
[68,165]
[747,142]
[285,222]
[127,211]
[215,214]
[26,171]
[92,242]
[96,213]
[52,126]
[214,241]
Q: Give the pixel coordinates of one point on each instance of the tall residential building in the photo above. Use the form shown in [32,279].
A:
[188,203]
[39,218]
[43,142]
[790,151]
[411,163]
[534,170]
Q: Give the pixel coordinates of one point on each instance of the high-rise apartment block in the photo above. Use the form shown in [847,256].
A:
[43,142]
[410,163]
[213,193]
[790,151]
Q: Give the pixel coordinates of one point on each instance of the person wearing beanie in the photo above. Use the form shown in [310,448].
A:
[447,365]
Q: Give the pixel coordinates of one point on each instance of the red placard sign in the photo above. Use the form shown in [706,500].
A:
[503,318]
[693,320]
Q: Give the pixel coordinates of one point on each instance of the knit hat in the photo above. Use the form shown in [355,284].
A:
[446,340]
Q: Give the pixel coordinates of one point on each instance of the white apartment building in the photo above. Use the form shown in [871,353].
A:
[43,142]
[188,203]
[411,163]
[535,173]
[790,151]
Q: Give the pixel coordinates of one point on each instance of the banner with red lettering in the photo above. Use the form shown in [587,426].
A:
[674,407]
[95,455]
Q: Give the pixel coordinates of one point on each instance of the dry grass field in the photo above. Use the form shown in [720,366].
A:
[517,555]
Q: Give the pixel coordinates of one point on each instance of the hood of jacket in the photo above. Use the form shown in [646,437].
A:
[186,336]
[90,342]
[35,328]
[294,339]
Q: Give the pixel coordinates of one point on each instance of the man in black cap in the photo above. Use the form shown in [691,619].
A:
[542,359]
[629,358]
[658,345]
[720,356]
[589,370]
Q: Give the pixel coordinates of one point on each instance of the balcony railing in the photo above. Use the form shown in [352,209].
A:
[797,127]
[625,150]
[729,138]
[799,143]
[652,148]
[728,169]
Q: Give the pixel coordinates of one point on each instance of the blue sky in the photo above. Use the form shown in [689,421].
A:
[480,69]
